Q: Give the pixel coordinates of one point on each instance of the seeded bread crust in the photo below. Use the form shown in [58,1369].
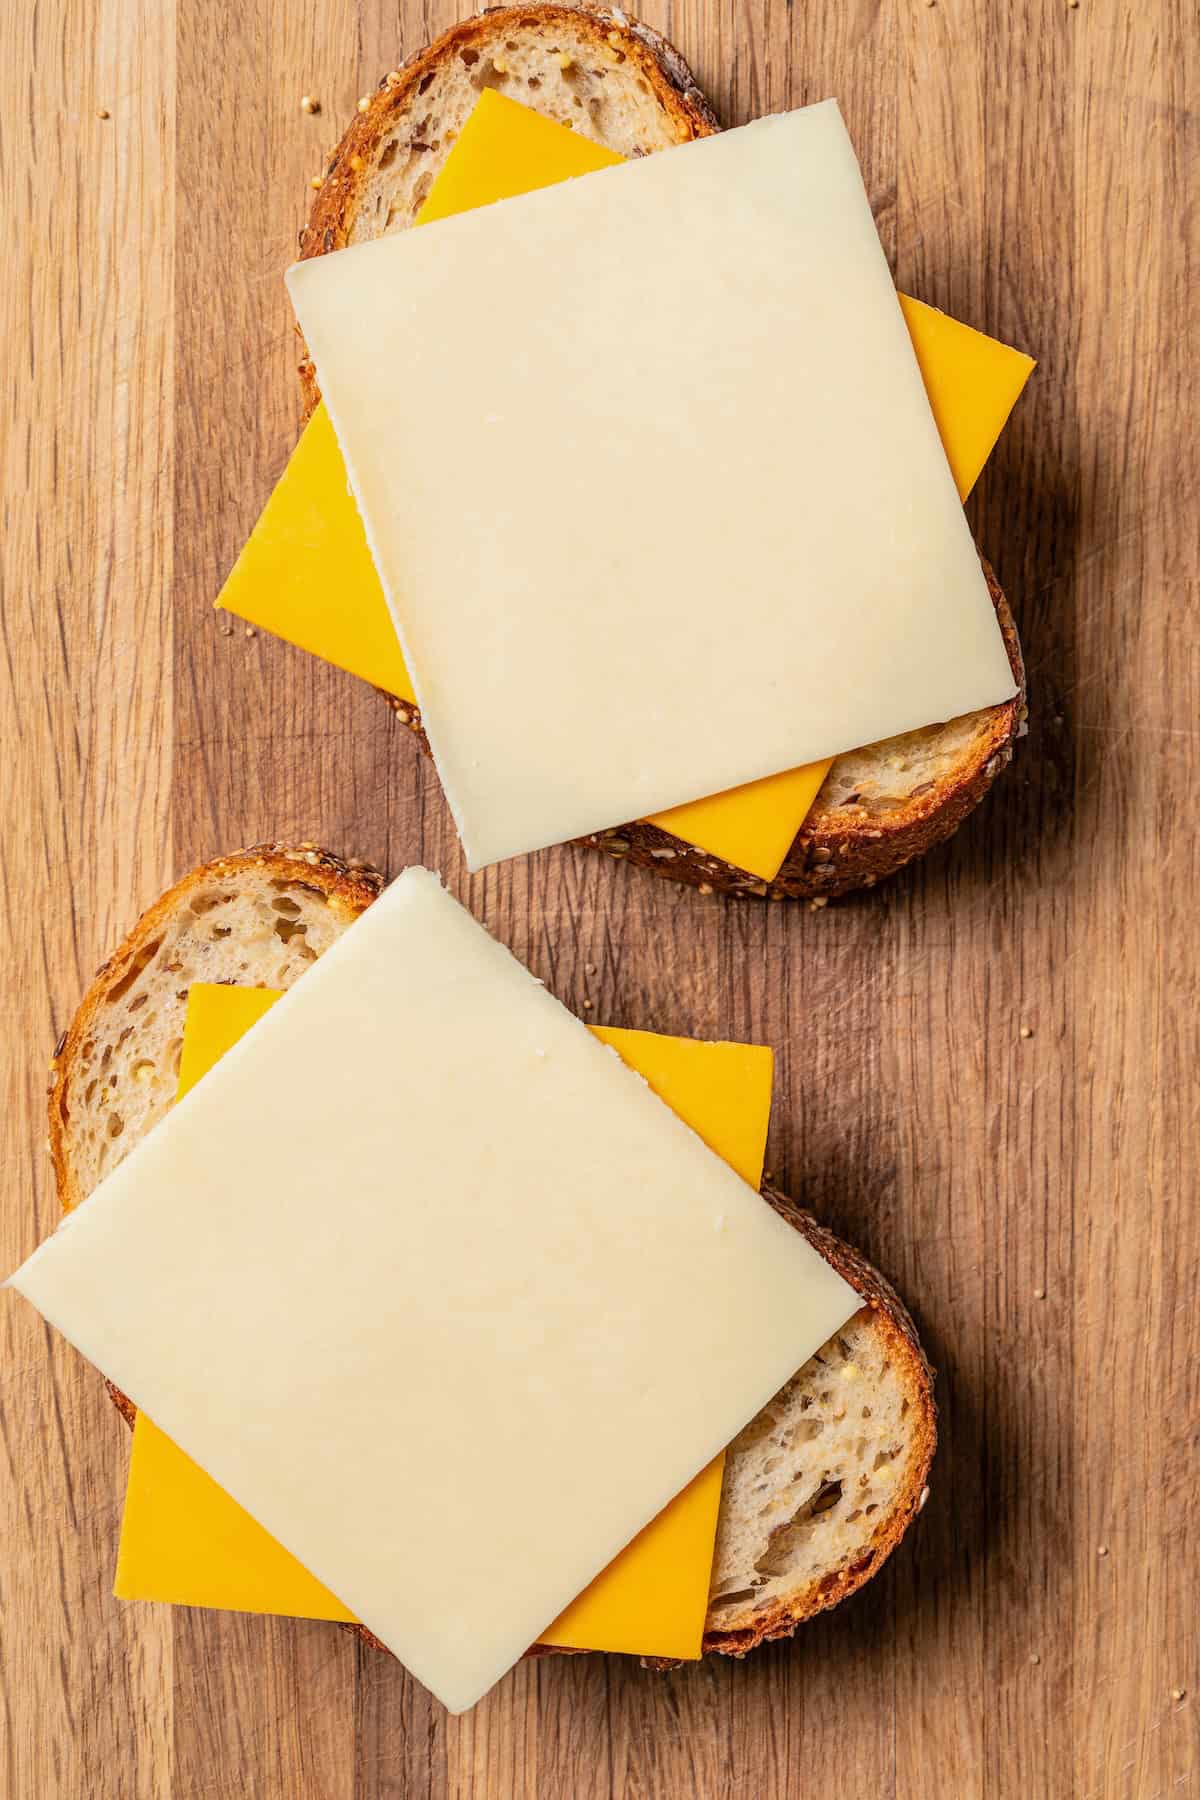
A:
[342,891]
[891,1323]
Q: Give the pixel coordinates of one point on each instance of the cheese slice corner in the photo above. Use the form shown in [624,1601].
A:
[306,573]
[972,383]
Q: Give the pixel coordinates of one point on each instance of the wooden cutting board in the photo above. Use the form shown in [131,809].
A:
[986,1069]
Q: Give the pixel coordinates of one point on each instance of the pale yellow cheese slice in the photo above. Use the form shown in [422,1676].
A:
[306,573]
[186,1542]
[779,568]
[318,1359]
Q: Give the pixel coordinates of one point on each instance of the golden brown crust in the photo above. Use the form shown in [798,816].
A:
[350,885]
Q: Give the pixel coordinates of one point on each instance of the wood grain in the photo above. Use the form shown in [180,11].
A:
[1035,169]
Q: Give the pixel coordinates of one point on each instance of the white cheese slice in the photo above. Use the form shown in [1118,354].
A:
[437,1289]
[652,484]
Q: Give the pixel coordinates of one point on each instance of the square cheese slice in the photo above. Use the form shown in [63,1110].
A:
[437,1289]
[185,1541]
[651,482]
[306,573]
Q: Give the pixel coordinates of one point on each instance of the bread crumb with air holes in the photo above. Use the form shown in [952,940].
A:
[779,1530]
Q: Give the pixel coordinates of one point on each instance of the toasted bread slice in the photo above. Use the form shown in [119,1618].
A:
[620,83]
[819,1488]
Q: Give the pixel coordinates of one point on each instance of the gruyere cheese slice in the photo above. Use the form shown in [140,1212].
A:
[186,1542]
[306,573]
[471,1226]
[728,546]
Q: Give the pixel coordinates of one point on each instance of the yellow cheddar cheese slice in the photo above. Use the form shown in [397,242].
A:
[306,573]
[185,1541]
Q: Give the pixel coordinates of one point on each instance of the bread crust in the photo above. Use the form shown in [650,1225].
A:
[331,215]
[351,886]
[893,1319]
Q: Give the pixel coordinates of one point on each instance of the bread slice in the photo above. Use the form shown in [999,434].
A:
[819,1488]
[620,83]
